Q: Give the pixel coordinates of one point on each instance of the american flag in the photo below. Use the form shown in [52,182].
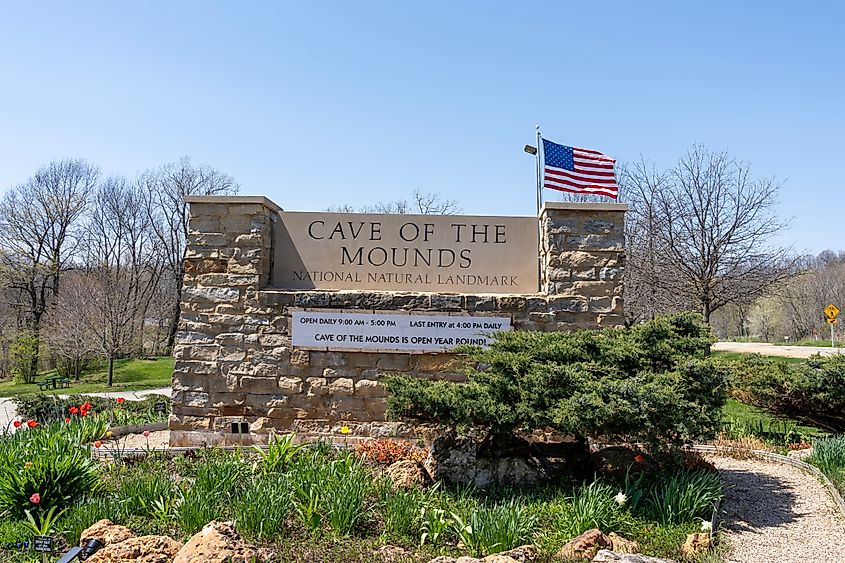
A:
[581,171]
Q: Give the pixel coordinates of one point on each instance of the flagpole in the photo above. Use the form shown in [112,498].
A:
[539,219]
[539,179]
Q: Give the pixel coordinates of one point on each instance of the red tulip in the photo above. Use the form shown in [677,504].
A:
[83,413]
[639,458]
[67,421]
[73,410]
[31,423]
[17,423]
[97,443]
[146,433]
[35,498]
[120,400]
[87,406]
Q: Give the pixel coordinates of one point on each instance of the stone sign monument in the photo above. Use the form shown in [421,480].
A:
[290,319]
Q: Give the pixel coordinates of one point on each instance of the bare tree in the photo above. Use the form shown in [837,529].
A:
[713,226]
[420,203]
[39,235]
[124,268]
[166,189]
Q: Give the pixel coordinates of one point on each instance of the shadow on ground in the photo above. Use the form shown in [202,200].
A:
[755,500]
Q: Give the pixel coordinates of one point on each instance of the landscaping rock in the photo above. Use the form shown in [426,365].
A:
[523,554]
[142,549]
[584,546]
[392,554]
[455,458]
[499,558]
[614,462]
[107,532]
[695,543]
[605,556]
[408,474]
[218,542]
[622,545]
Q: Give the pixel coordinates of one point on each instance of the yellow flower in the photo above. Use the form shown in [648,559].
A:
[108,434]
[27,465]
[345,430]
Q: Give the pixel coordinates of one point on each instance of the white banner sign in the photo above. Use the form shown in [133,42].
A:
[367,332]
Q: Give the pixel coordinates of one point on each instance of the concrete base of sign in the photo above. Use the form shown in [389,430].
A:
[238,375]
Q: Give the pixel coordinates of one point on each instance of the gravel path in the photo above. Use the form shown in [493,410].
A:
[772,350]
[775,512]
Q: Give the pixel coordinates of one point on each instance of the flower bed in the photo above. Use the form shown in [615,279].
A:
[313,502]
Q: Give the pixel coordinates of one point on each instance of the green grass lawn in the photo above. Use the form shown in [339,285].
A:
[813,343]
[129,375]
[747,414]
[739,355]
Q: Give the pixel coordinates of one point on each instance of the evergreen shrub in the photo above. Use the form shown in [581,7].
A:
[651,383]
[811,391]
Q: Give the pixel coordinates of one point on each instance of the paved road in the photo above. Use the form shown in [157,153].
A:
[772,350]
[8,412]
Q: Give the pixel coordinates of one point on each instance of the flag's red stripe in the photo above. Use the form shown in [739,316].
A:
[588,164]
[597,158]
[593,161]
[588,177]
[594,172]
[586,150]
[580,191]
[582,185]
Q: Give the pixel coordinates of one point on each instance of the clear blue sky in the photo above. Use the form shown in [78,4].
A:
[321,103]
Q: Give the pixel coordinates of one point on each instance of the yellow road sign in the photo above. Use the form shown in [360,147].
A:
[832,320]
[831,311]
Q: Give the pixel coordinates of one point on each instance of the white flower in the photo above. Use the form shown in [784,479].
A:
[620,498]
[706,526]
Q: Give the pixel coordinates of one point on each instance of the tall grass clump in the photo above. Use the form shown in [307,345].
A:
[684,496]
[261,511]
[595,506]
[493,529]
[829,456]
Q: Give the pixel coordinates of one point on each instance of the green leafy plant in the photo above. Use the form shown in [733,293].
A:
[306,503]
[594,505]
[435,524]
[261,512]
[280,452]
[612,383]
[684,496]
[44,461]
[345,492]
[44,524]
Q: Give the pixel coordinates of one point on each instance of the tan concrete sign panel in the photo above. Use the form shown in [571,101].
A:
[437,253]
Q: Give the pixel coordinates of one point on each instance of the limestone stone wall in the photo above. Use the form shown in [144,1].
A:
[235,364]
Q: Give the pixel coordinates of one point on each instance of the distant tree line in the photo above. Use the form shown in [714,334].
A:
[91,266]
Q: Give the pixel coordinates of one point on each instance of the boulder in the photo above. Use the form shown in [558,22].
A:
[141,549]
[392,554]
[695,543]
[107,532]
[523,554]
[605,556]
[218,542]
[622,545]
[408,474]
[499,558]
[470,459]
[584,546]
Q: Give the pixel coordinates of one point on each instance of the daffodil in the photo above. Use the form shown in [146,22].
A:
[345,430]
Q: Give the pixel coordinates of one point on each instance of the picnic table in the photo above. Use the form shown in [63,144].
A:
[54,381]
